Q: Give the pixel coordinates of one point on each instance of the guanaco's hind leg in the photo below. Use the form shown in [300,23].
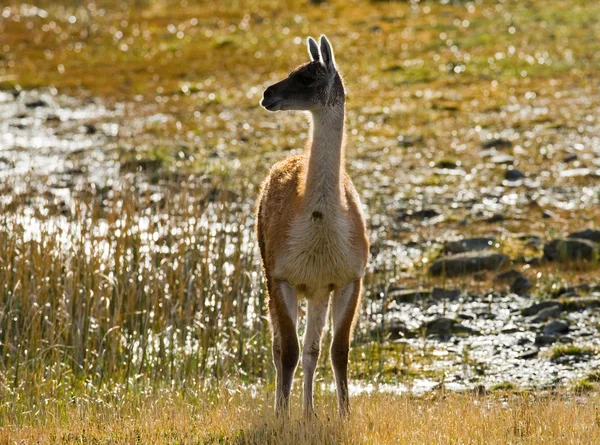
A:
[283,308]
[343,309]
[316,315]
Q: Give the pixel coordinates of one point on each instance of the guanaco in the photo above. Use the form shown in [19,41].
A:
[311,231]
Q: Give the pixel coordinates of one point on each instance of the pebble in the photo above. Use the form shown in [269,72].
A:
[556,327]
[468,263]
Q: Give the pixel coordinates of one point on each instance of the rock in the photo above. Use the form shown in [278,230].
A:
[530,240]
[467,263]
[470,244]
[571,249]
[588,234]
[445,294]
[496,143]
[502,159]
[512,174]
[535,261]
[396,329]
[578,173]
[36,104]
[496,217]
[480,276]
[446,163]
[569,158]
[53,118]
[537,307]
[444,326]
[567,291]
[90,128]
[467,316]
[547,313]
[544,339]
[556,327]
[520,286]
[440,326]
[508,276]
[529,353]
[408,295]
[580,304]
[409,141]
[420,214]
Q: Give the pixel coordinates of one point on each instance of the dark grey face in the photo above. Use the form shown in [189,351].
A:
[309,87]
[304,89]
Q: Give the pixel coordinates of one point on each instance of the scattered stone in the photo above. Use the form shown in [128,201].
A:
[36,104]
[556,327]
[445,294]
[544,339]
[419,214]
[510,329]
[496,143]
[579,304]
[508,276]
[566,292]
[537,307]
[512,174]
[588,234]
[467,316]
[444,326]
[531,240]
[529,353]
[535,261]
[569,158]
[520,286]
[409,141]
[468,263]
[441,326]
[546,314]
[15,92]
[396,329]
[548,214]
[578,173]
[496,217]
[571,249]
[502,159]
[408,295]
[470,244]
[480,276]
[446,163]
[565,339]
[90,128]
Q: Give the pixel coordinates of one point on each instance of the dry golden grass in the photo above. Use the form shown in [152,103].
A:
[376,419]
[61,383]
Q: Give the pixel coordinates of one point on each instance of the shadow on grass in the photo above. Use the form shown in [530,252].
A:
[291,431]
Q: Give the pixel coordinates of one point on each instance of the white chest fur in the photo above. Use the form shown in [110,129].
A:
[318,256]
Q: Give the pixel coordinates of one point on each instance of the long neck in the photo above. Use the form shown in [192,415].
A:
[325,170]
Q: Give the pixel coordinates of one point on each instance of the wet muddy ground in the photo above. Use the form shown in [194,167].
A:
[521,184]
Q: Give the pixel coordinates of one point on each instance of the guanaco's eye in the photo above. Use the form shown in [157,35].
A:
[304,80]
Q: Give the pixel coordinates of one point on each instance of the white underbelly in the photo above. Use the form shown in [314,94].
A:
[318,256]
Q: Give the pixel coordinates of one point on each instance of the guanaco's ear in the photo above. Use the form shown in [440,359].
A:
[327,54]
[313,50]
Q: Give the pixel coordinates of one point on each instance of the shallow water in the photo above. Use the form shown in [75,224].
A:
[63,143]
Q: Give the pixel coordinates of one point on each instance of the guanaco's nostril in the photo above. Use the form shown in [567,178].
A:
[268,93]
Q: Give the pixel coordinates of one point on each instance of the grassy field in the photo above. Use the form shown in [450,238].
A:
[134,310]
[173,418]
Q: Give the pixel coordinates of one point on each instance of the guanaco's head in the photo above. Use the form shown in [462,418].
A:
[310,87]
